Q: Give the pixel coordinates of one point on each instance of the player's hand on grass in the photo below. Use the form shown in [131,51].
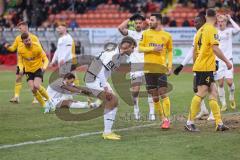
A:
[178,69]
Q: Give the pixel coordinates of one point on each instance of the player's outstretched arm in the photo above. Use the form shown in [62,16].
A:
[123,27]
[221,56]
[186,60]
[13,47]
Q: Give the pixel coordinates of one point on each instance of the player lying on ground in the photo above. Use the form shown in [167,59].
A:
[205,48]
[137,60]
[23,28]
[32,58]
[198,22]
[157,47]
[60,93]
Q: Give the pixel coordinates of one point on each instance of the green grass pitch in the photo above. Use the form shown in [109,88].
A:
[25,122]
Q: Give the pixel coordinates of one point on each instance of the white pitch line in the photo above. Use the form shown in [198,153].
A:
[70,137]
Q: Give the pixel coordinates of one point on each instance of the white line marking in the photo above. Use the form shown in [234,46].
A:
[12,90]
[83,135]
[70,137]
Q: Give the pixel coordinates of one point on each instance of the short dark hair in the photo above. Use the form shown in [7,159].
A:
[22,23]
[202,17]
[129,40]
[211,12]
[24,36]
[157,15]
[69,76]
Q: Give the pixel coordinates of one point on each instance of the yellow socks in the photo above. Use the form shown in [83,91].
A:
[166,107]
[215,110]
[158,109]
[195,107]
[18,87]
[38,96]
[43,92]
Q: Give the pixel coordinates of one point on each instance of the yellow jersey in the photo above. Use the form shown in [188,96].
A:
[18,42]
[150,39]
[206,37]
[32,58]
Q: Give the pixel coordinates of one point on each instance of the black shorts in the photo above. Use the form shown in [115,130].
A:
[204,78]
[155,80]
[18,70]
[32,76]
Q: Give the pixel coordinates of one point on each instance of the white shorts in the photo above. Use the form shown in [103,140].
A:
[223,73]
[58,100]
[96,88]
[137,77]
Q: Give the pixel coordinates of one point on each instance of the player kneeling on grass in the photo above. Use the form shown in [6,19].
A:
[96,80]
[60,93]
[31,57]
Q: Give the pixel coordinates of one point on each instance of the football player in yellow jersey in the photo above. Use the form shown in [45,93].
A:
[206,46]
[23,28]
[157,47]
[33,61]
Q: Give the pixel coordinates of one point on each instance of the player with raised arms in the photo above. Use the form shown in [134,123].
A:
[137,60]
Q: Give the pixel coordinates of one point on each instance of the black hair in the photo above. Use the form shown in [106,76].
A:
[129,40]
[158,16]
[211,12]
[69,76]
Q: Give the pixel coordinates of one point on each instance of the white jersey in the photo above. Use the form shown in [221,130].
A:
[103,66]
[65,49]
[136,56]
[225,44]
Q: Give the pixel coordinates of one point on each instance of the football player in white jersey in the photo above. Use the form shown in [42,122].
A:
[223,74]
[199,21]
[137,61]
[96,78]
[65,55]
[61,96]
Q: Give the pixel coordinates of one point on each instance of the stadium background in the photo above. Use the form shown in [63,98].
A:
[93,23]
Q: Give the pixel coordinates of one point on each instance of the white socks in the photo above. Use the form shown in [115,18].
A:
[203,108]
[136,107]
[109,118]
[231,92]
[221,93]
[151,105]
[79,105]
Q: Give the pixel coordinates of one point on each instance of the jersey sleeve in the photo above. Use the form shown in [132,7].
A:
[130,33]
[143,47]
[14,45]
[107,59]
[213,36]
